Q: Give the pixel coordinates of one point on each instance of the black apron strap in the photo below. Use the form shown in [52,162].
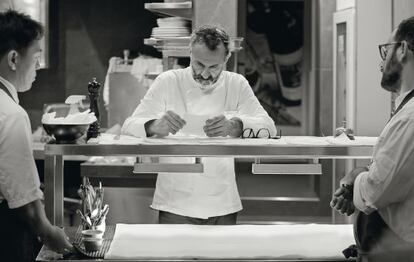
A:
[2,87]
[406,99]
[17,242]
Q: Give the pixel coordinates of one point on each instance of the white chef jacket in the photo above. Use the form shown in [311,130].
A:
[214,192]
[19,180]
[388,186]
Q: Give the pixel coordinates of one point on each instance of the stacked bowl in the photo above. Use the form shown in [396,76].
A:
[171,27]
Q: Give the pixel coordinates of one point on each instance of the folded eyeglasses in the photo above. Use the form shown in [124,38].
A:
[260,133]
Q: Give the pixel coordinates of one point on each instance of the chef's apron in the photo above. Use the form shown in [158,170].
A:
[375,240]
[17,242]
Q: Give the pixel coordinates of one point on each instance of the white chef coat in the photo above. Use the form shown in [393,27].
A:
[388,186]
[19,180]
[214,192]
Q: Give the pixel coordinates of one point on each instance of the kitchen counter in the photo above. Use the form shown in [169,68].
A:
[39,148]
[286,148]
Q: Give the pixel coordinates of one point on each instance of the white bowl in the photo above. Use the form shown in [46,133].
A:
[92,233]
[172,24]
[171,18]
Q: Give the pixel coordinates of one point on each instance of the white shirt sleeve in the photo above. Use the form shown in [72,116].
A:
[390,176]
[19,180]
[152,106]
[251,112]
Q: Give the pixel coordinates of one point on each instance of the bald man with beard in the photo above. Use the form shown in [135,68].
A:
[382,194]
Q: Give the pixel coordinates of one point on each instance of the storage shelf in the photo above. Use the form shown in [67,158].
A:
[181,9]
[279,199]
[182,43]
[282,220]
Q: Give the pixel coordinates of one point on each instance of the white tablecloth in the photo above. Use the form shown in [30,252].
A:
[230,242]
[111,139]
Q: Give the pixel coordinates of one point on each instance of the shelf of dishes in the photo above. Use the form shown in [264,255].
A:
[181,9]
[171,27]
[182,43]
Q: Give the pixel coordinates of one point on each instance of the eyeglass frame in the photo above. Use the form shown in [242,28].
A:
[383,50]
[251,134]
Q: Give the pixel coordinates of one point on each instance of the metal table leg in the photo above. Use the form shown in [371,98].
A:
[54,189]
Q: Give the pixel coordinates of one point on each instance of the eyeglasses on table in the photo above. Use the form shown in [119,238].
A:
[260,133]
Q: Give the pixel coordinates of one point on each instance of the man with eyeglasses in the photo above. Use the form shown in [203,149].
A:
[383,193]
[203,88]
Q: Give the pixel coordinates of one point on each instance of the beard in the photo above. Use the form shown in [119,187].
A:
[204,81]
[391,76]
[206,84]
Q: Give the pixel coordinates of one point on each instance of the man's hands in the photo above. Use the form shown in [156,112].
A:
[342,199]
[34,215]
[57,240]
[170,122]
[221,126]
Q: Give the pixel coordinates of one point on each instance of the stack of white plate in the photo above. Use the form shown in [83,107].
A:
[173,21]
[171,27]
[159,32]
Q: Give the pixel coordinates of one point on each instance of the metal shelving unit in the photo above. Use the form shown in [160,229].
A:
[174,47]
[171,47]
[181,9]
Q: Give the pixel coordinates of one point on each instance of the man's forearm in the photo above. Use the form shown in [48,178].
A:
[351,176]
[34,216]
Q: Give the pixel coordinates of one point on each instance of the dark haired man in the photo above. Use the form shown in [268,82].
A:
[22,216]
[203,88]
[383,193]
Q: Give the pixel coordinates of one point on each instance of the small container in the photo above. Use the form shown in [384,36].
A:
[102,225]
[236,43]
[92,244]
[92,233]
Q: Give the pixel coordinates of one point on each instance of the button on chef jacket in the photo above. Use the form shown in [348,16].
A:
[388,186]
[213,192]
[19,180]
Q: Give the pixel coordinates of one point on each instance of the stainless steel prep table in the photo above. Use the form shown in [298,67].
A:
[54,154]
